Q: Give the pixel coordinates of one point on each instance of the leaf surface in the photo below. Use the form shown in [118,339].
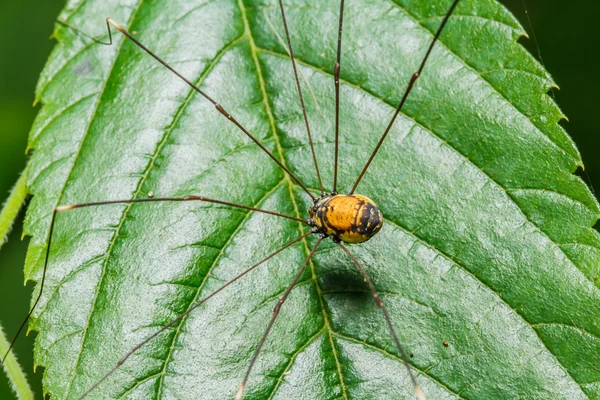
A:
[487,242]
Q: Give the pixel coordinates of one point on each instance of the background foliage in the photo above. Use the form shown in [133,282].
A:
[24,48]
[564,31]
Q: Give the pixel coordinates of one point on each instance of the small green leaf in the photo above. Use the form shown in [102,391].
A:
[487,260]
[12,206]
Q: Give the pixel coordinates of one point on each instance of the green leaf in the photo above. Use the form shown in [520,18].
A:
[487,242]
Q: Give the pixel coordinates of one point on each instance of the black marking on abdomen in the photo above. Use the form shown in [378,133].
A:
[369,220]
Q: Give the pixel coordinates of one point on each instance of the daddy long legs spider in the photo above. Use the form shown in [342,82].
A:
[339,217]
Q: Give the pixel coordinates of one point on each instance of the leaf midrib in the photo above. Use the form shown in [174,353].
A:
[290,185]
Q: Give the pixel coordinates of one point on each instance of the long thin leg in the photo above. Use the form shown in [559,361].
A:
[198,304]
[336,77]
[178,199]
[12,342]
[99,203]
[411,83]
[219,107]
[240,392]
[388,320]
[312,148]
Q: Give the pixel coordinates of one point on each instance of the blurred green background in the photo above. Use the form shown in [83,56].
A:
[24,48]
[565,36]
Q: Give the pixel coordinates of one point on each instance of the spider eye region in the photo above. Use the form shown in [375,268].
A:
[349,218]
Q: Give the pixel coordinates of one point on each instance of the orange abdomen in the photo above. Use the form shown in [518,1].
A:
[349,218]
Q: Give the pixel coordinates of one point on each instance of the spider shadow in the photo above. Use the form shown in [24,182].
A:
[341,277]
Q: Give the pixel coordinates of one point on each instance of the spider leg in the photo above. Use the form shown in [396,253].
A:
[336,77]
[110,22]
[409,88]
[189,310]
[240,392]
[99,203]
[310,141]
[388,320]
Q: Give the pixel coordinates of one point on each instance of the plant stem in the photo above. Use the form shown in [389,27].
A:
[8,215]
[14,372]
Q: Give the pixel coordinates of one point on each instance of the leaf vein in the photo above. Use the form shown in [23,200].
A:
[395,357]
[86,330]
[205,280]
[474,70]
[254,48]
[466,270]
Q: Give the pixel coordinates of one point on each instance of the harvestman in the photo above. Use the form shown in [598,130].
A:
[349,218]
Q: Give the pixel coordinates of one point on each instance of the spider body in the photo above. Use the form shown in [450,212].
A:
[349,218]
